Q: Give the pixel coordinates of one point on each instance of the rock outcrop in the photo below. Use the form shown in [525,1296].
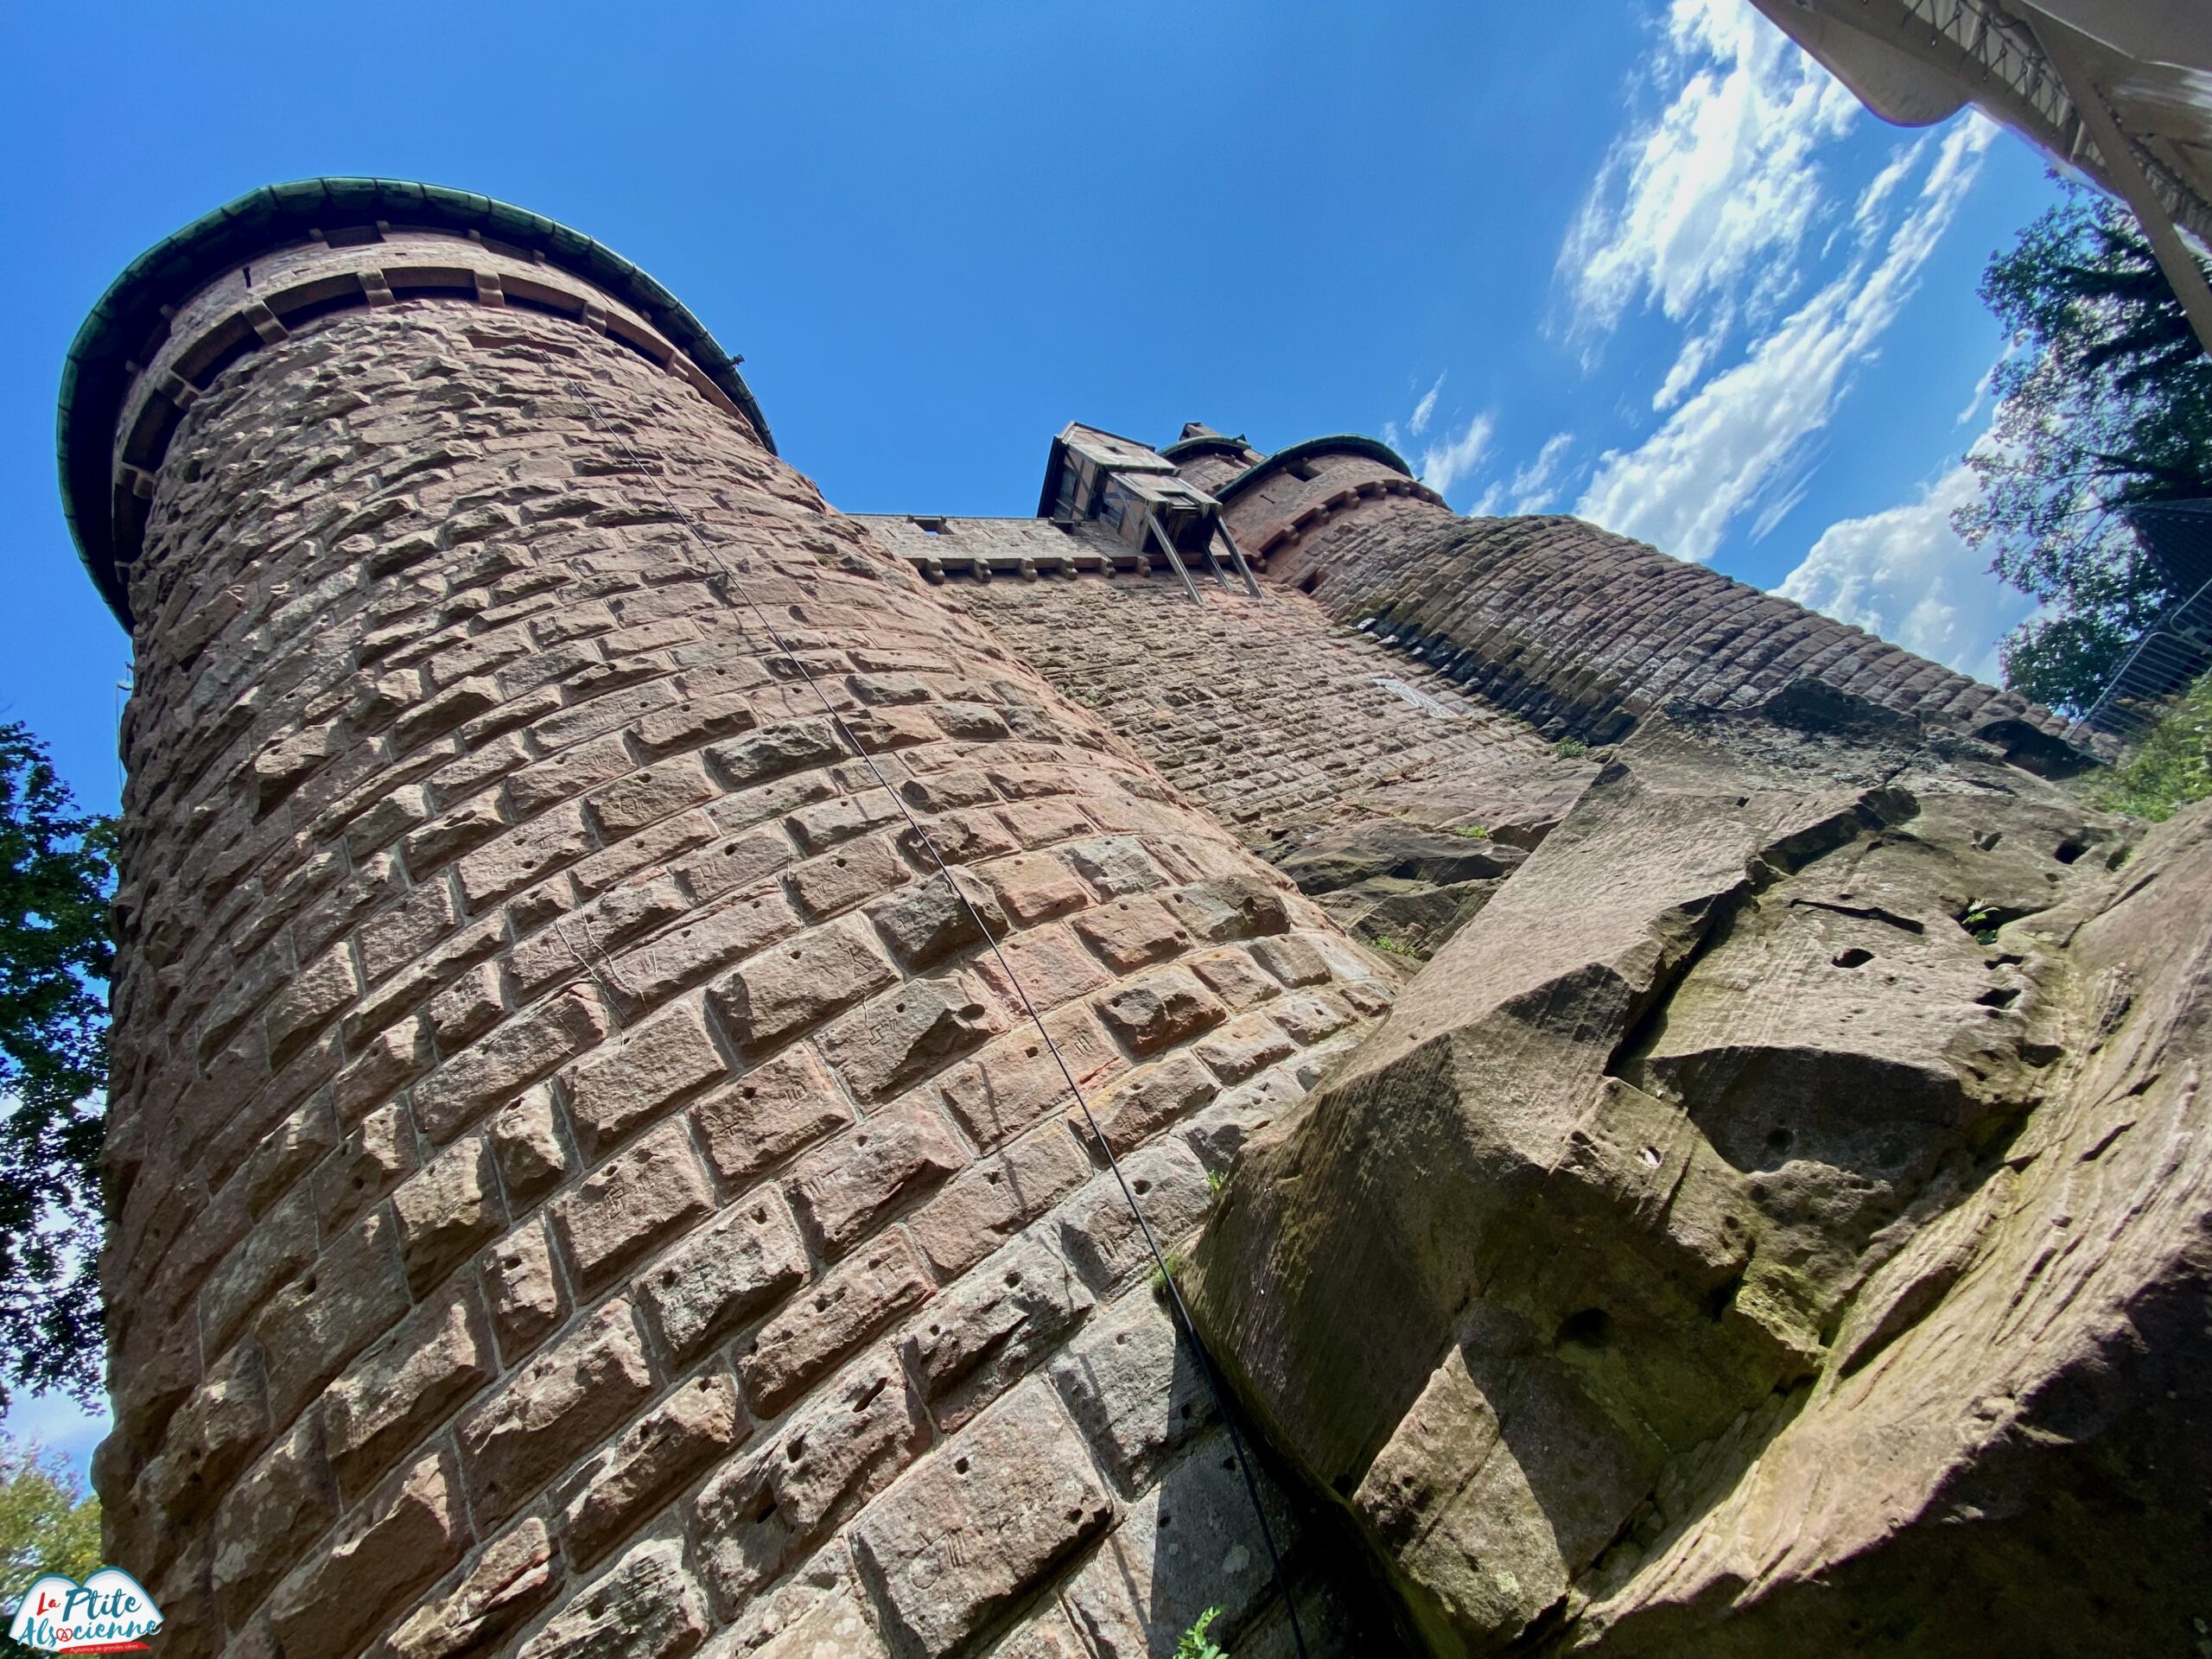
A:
[1775,1221]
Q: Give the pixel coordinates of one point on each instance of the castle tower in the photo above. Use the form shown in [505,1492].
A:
[583,1183]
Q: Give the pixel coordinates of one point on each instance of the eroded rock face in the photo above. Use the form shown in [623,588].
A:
[1773,1219]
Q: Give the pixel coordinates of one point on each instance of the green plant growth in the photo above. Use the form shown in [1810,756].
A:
[1471,831]
[1159,1280]
[1570,749]
[1394,947]
[2171,766]
[48,1525]
[1196,1644]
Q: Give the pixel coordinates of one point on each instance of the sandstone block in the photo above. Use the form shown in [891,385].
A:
[446,1211]
[739,1266]
[436,1357]
[835,1629]
[632,1080]
[964,1534]
[693,721]
[646,796]
[567,775]
[1051,965]
[1190,1543]
[824,824]
[518,1053]
[1309,1018]
[822,1325]
[312,999]
[444,839]
[1161,1010]
[284,1503]
[740,861]
[351,1292]
[1231,976]
[1292,960]
[1016,1083]
[697,1424]
[839,880]
[684,955]
[210,1439]
[272,1252]
[466,1009]
[928,921]
[646,1607]
[947,791]
[527,1300]
[557,836]
[515,1575]
[844,1189]
[1231,907]
[785,1496]
[983,1333]
[527,1148]
[1130,933]
[909,1032]
[394,1544]
[1034,887]
[1101,1237]
[1116,865]
[1152,1098]
[986,1204]
[783,991]
[1244,1047]
[631,1203]
[1135,1388]
[552,1411]
[775,750]
[379,1153]
[777,1108]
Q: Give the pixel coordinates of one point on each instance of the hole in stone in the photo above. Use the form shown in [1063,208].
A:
[1651,1159]
[1140,1186]
[1999,996]
[1033,1053]
[2069,850]
[1012,1280]
[1778,1141]
[596,1607]
[511,1262]
[959,1465]
[1720,1298]
[309,1285]
[760,1214]
[795,1447]
[1591,1328]
[1855,958]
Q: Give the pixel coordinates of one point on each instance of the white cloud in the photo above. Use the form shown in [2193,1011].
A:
[1697,351]
[1443,465]
[1716,192]
[1534,488]
[1424,408]
[1905,574]
[1720,453]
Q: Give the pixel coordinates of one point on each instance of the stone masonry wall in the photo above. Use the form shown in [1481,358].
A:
[1580,631]
[578,1186]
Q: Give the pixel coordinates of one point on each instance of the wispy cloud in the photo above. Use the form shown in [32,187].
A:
[1717,456]
[1711,197]
[1425,408]
[1533,488]
[1905,574]
[1444,463]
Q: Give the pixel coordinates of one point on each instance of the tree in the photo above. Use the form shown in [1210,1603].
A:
[56,876]
[2104,401]
[48,1525]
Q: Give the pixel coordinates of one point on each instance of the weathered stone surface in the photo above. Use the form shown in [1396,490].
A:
[837,1629]
[1161,1010]
[1741,1136]
[997,1196]
[777,1108]
[276,1509]
[612,1494]
[966,1533]
[983,1333]
[829,1319]
[783,1496]
[436,1357]
[526,1145]
[738,1266]
[515,1575]
[445,1211]
[633,1203]
[647,1607]
[784,990]
[1192,1543]
[351,1293]
[1103,1239]
[894,1155]
[399,1539]
[551,1410]
[496,1066]
[630,1082]
[1134,1388]
[909,1032]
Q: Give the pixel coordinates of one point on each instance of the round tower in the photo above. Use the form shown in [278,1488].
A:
[583,1179]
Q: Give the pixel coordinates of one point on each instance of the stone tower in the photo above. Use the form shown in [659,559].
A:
[582,1184]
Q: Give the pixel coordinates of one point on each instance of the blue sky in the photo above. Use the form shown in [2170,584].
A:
[1636,259]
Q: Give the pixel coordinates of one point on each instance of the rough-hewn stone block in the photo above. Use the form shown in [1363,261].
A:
[631,1203]
[737,1267]
[824,1323]
[551,1410]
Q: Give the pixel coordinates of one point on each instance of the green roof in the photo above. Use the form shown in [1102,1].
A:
[94,380]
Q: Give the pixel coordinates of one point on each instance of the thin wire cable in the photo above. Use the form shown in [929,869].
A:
[1183,1321]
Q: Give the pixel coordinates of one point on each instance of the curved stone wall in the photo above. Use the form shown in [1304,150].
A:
[1581,630]
[578,1185]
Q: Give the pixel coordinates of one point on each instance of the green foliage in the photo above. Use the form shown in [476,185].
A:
[1174,1271]
[1195,1643]
[56,874]
[48,1525]
[2171,766]
[1390,946]
[1568,748]
[1471,831]
[2104,402]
